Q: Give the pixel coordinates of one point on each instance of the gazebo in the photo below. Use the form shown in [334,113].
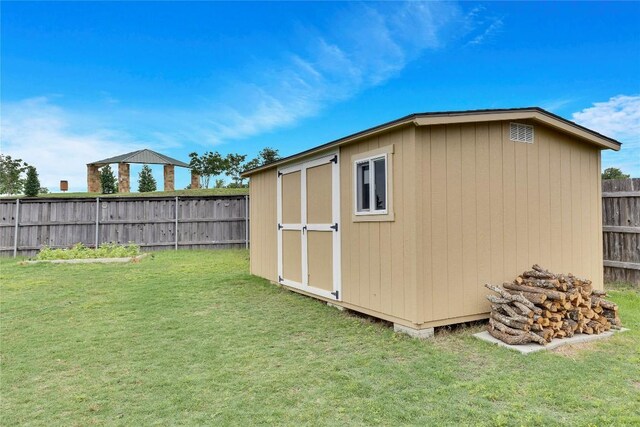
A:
[142,157]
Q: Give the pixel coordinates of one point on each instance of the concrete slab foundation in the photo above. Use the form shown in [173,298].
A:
[415,333]
[555,343]
[337,307]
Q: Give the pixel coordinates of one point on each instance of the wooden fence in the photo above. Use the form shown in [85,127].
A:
[621,228]
[155,223]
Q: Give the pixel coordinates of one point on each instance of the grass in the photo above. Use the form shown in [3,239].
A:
[194,192]
[189,337]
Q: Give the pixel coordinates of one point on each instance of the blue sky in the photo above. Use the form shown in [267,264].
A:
[84,81]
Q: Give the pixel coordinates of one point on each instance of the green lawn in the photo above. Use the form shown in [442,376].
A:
[190,337]
[194,192]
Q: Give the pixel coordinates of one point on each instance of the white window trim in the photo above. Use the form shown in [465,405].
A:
[370,161]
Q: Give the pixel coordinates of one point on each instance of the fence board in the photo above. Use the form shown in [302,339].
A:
[621,230]
[217,222]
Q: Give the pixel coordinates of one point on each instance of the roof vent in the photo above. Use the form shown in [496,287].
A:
[521,133]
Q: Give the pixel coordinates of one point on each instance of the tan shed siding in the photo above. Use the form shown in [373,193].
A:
[378,258]
[263,233]
[490,207]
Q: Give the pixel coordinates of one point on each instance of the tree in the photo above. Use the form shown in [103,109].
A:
[207,165]
[234,167]
[268,155]
[11,170]
[108,180]
[146,181]
[252,164]
[614,173]
[265,156]
[32,184]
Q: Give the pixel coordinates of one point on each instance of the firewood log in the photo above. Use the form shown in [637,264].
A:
[546,334]
[512,313]
[523,338]
[599,293]
[542,283]
[552,295]
[587,312]
[605,304]
[526,311]
[497,300]
[504,328]
[538,274]
[529,296]
[513,297]
[510,322]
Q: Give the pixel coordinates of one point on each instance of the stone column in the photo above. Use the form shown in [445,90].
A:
[124,185]
[195,180]
[169,178]
[93,179]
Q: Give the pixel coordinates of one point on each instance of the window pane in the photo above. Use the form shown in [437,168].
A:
[363,186]
[380,188]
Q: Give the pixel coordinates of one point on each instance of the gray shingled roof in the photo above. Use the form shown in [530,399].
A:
[142,156]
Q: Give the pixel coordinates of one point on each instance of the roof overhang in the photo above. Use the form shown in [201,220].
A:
[459,117]
[145,156]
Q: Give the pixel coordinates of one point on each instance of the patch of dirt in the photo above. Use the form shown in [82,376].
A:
[636,384]
[572,350]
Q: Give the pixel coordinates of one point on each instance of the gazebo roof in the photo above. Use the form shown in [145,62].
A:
[141,156]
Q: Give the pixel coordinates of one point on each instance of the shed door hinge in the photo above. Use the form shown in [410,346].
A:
[334,226]
[334,159]
[279,279]
[280,174]
[336,294]
[279,226]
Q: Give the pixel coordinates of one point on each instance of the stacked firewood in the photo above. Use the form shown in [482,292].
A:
[539,306]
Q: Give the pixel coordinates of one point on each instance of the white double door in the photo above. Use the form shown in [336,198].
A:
[309,226]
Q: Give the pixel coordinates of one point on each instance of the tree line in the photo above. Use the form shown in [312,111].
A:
[208,165]
[212,164]
[18,177]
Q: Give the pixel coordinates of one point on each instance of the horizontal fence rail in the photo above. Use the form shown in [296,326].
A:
[154,223]
[621,230]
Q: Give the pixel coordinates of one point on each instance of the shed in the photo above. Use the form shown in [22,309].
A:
[406,221]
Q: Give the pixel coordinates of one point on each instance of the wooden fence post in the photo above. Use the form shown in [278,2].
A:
[621,230]
[176,226]
[15,233]
[97,221]
[246,222]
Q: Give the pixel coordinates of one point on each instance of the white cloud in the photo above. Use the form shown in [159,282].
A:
[487,32]
[618,118]
[41,134]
